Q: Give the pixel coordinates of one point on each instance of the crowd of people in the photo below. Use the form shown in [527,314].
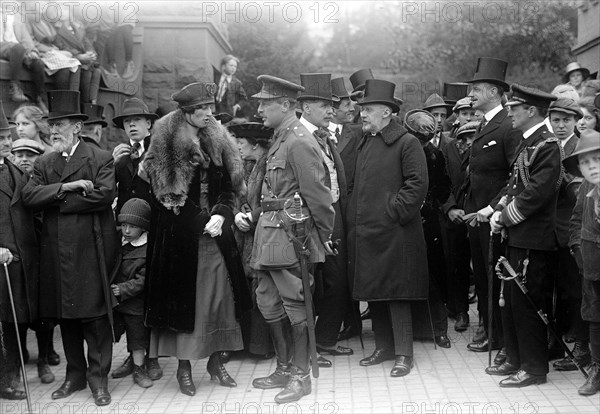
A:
[211,231]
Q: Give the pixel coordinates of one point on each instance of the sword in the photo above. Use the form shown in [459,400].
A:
[300,239]
[516,277]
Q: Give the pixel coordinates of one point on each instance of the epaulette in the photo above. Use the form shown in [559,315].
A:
[297,132]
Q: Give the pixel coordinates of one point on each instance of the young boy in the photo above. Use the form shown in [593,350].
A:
[128,285]
[585,233]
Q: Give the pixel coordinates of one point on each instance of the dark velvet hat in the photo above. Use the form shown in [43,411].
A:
[64,104]
[197,93]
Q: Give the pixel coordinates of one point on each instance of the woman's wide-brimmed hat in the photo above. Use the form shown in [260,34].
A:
[572,67]
[589,141]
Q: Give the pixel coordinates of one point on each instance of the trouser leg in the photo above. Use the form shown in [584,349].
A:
[401,318]
[98,337]
[71,331]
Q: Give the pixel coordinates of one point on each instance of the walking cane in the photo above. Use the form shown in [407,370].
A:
[503,262]
[490,304]
[14,312]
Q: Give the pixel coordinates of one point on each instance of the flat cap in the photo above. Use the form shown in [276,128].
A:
[464,103]
[24,144]
[469,127]
[567,106]
[274,87]
[197,93]
[531,96]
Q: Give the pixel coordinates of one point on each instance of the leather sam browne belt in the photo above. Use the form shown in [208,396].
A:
[272,204]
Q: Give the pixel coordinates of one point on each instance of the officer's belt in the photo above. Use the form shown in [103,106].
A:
[272,204]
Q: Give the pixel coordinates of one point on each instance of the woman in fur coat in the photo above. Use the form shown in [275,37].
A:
[194,297]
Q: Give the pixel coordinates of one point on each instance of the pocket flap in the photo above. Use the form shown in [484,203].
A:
[276,163]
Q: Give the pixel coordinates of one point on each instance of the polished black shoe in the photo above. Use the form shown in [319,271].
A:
[581,352]
[101,396]
[592,384]
[186,384]
[141,378]
[402,366]
[482,346]
[53,357]
[366,314]
[378,356]
[340,350]
[124,370]
[153,369]
[277,379]
[323,362]
[67,388]
[297,387]
[44,372]
[443,341]
[217,371]
[500,357]
[10,393]
[462,322]
[522,379]
[347,333]
[503,369]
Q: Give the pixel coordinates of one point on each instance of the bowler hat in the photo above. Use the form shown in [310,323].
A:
[589,141]
[531,96]
[455,91]
[572,67]
[317,86]
[94,113]
[64,104]
[24,144]
[197,93]
[436,101]
[338,88]
[4,124]
[378,91]
[133,107]
[491,70]
[464,103]
[567,106]
[274,87]
[359,78]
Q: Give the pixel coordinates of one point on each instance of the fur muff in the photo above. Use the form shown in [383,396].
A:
[174,155]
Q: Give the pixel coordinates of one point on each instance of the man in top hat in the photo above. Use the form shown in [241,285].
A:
[526,215]
[440,110]
[92,127]
[74,186]
[295,165]
[385,234]
[19,251]
[564,114]
[136,120]
[492,153]
[453,92]
[317,103]
[25,152]
[464,114]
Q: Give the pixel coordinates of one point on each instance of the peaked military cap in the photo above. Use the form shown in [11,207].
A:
[530,96]
[274,87]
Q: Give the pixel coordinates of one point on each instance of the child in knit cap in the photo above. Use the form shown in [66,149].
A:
[128,287]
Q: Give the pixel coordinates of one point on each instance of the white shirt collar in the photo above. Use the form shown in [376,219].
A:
[227,77]
[492,113]
[64,154]
[140,241]
[564,141]
[531,130]
[311,128]
[1,160]
[332,126]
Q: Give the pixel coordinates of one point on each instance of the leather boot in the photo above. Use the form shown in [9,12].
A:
[581,352]
[297,387]
[281,335]
[592,384]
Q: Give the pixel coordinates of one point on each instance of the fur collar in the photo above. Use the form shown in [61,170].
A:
[174,155]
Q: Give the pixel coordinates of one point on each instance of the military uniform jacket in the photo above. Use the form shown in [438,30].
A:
[295,164]
[528,202]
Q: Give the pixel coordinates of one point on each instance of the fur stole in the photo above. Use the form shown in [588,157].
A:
[174,155]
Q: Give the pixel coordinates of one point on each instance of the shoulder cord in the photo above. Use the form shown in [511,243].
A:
[524,162]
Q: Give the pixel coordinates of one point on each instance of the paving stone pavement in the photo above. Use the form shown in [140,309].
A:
[442,381]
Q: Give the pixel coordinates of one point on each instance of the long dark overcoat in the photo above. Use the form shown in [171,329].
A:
[71,284]
[385,231]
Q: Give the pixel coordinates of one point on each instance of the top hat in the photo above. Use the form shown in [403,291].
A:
[436,101]
[338,88]
[530,96]
[4,124]
[572,67]
[133,107]
[358,79]
[274,87]
[589,141]
[252,130]
[378,91]
[491,70]
[464,103]
[64,104]
[316,86]
[567,106]
[94,113]
[455,91]
[197,93]
[24,144]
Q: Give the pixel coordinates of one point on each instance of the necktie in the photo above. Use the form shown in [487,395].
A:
[222,88]
[322,136]
[337,135]
[135,150]
[483,124]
